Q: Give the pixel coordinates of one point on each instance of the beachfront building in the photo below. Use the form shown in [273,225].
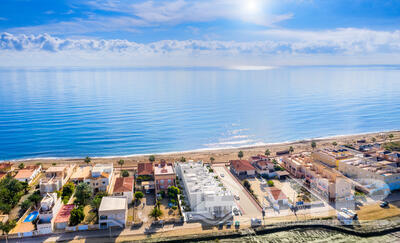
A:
[207,196]
[164,176]
[242,168]
[55,177]
[124,187]
[28,174]
[390,156]
[101,177]
[331,157]
[62,219]
[113,211]
[276,197]
[325,180]
[49,208]
[374,176]
[81,174]
[145,177]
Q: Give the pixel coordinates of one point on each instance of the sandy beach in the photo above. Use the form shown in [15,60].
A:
[224,155]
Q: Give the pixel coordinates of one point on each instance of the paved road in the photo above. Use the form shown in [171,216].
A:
[245,204]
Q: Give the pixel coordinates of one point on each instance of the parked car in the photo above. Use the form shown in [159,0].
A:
[236,211]
[222,174]
[237,197]
[255,222]
[384,204]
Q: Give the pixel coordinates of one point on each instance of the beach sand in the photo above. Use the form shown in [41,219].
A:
[224,155]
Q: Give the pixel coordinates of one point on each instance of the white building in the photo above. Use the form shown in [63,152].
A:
[55,178]
[28,174]
[206,195]
[49,207]
[276,197]
[101,177]
[113,211]
[123,186]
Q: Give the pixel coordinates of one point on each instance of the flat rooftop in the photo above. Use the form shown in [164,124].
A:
[113,203]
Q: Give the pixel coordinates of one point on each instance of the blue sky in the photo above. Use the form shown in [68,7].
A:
[257,32]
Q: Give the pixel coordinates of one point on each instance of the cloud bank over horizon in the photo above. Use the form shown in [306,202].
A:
[357,46]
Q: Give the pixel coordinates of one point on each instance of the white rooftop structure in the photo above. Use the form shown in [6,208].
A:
[206,194]
[102,168]
[113,203]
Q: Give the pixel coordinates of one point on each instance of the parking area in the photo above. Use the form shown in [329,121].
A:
[246,204]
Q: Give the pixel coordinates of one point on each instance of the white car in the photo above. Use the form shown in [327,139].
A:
[222,175]
[237,197]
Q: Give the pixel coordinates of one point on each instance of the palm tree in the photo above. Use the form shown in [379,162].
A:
[391,137]
[212,159]
[240,154]
[121,162]
[373,139]
[183,159]
[21,166]
[291,149]
[87,160]
[334,144]
[267,152]
[25,186]
[7,227]
[313,145]
[156,213]
[152,158]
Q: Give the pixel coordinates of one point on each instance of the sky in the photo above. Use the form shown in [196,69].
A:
[224,33]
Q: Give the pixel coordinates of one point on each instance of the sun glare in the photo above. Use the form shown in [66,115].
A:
[251,6]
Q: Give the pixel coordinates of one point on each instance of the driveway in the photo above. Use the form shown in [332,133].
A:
[245,204]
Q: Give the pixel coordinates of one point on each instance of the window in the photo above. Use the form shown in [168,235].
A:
[103,217]
[169,181]
[104,182]
[162,181]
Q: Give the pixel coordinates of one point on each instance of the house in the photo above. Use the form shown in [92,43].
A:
[124,187]
[81,174]
[145,177]
[113,211]
[276,197]
[28,174]
[264,168]
[55,177]
[101,177]
[62,219]
[242,168]
[49,208]
[164,176]
[207,197]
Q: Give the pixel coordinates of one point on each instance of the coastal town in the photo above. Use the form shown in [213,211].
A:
[346,184]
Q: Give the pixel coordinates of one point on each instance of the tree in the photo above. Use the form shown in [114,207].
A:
[87,160]
[267,152]
[158,204]
[246,184]
[68,190]
[25,205]
[156,213]
[83,194]
[25,186]
[313,145]
[173,192]
[124,173]
[240,154]
[53,164]
[334,144]
[7,227]
[373,139]
[270,183]
[152,158]
[35,198]
[21,166]
[212,159]
[138,195]
[77,215]
[182,159]
[38,164]
[391,137]
[121,162]
[291,149]
[95,203]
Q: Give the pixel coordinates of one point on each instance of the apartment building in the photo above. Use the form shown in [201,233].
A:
[145,177]
[101,177]
[327,181]
[207,196]
[387,155]
[55,177]
[49,208]
[164,176]
[331,157]
[373,175]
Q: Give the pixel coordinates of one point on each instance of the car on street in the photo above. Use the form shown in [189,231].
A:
[384,204]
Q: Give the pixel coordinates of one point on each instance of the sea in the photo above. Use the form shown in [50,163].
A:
[105,112]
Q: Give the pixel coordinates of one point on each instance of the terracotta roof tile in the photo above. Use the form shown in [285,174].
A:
[123,184]
[277,193]
[145,169]
[241,165]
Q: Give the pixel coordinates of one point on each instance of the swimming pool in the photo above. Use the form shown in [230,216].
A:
[32,216]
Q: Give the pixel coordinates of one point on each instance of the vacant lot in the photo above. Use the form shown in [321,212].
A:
[374,212]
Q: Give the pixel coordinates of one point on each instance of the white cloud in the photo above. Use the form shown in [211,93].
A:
[280,47]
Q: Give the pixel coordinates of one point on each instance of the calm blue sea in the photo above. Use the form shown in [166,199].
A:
[101,112]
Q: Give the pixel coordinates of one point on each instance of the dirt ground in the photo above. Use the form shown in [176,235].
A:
[375,212]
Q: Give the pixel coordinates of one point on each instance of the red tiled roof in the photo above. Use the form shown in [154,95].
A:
[22,174]
[277,193]
[5,165]
[2,175]
[123,184]
[64,214]
[241,165]
[145,169]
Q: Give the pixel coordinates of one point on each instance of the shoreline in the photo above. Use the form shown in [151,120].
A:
[223,154]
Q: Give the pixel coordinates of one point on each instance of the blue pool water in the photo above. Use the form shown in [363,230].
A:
[32,216]
[101,112]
